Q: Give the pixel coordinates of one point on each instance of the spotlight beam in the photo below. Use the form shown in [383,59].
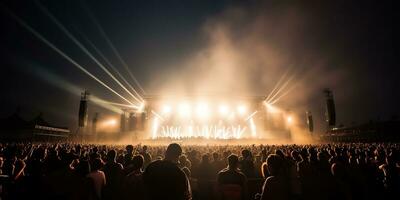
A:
[52,46]
[287,92]
[115,51]
[282,95]
[109,64]
[83,48]
[281,88]
[65,85]
[251,115]
[277,84]
[118,104]
[157,115]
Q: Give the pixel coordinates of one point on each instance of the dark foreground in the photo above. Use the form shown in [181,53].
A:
[86,171]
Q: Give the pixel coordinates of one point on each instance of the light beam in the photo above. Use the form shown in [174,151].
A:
[109,63]
[283,95]
[93,18]
[277,84]
[281,88]
[83,48]
[52,46]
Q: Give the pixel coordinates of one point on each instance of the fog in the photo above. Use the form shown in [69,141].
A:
[247,51]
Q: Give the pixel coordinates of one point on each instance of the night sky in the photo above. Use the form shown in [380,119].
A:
[207,46]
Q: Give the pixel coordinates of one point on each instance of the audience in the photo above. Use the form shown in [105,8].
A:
[88,171]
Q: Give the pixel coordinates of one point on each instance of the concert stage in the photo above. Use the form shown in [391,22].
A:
[206,119]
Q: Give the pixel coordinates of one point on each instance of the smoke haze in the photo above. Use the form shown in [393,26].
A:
[248,52]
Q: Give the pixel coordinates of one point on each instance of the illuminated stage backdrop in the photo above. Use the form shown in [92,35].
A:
[210,117]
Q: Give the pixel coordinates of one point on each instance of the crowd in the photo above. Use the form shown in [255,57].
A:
[175,172]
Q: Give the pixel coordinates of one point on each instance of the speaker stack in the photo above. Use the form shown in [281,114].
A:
[330,108]
[310,121]
[83,110]
[132,121]
[123,123]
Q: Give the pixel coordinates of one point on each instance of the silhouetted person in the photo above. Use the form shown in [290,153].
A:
[83,186]
[94,154]
[231,183]
[247,164]
[306,174]
[52,162]
[276,185]
[59,183]
[257,166]
[217,163]
[205,169]
[114,176]
[184,162]
[98,177]
[391,180]
[342,188]
[194,162]
[205,174]
[9,161]
[163,179]
[128,156]
[146,156]
[134,186]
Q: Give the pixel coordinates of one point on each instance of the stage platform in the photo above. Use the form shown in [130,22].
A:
[203,141]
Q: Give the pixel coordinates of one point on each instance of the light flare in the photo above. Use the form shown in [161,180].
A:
[242,109]
[184,110]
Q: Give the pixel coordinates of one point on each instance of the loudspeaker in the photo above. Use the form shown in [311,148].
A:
[330,108]
[330,112]
[123,123]
[94,124]
[83,110]
[132,122]
[310,121]
[143,120]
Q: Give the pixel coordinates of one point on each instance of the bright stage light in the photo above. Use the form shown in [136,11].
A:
[110,122]
[141,107]
[223,109]
[202,110]
[271,108]
[242,109]
[289,119]
[184,110]
[166,109]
